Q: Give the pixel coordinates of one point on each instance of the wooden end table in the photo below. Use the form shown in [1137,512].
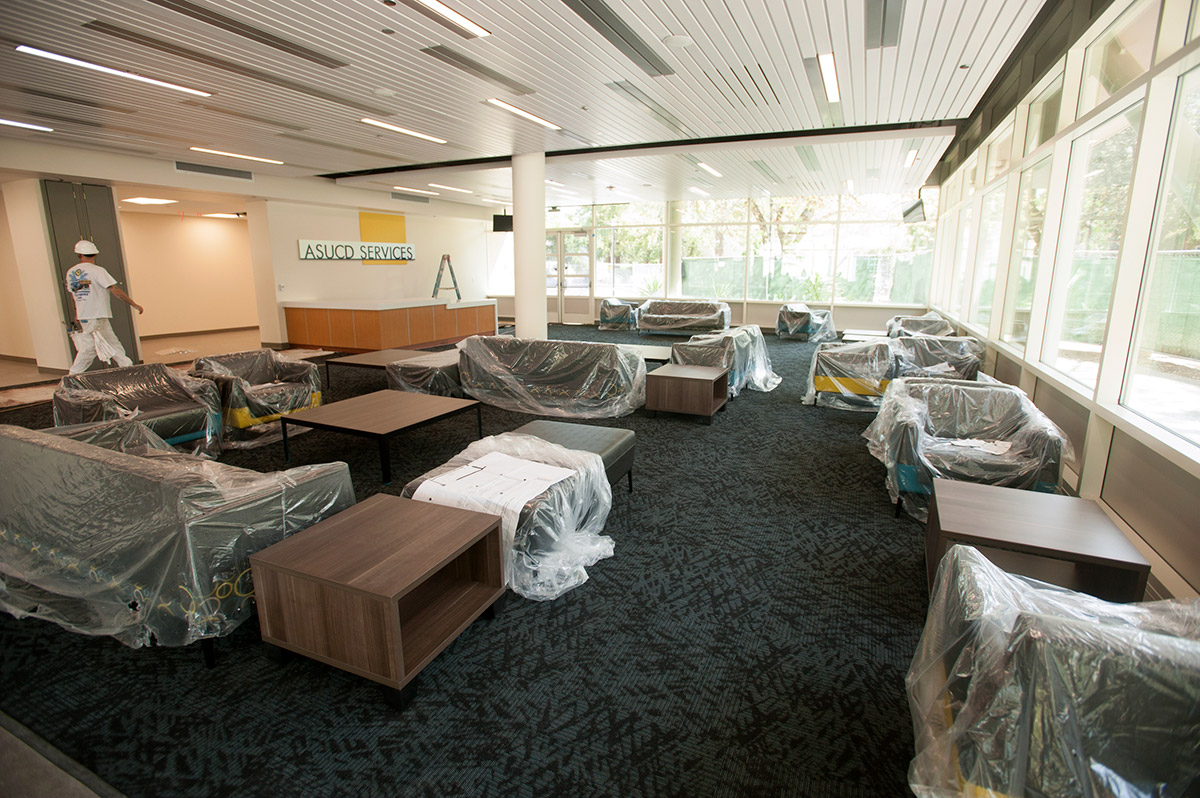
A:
[372,360]
[381,588]
[696,390]
[1062,540]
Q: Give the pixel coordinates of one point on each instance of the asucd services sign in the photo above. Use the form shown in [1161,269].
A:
[354,250]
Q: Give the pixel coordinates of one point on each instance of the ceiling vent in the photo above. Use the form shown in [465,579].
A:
[472,67]
[882,22]
[220,171]
[632,92]
[62,98]
[408,197]
[620,35]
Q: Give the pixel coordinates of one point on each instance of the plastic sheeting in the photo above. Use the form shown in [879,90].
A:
[969,431]
[149,549]
[435,373]
[797,322]
[937,356]
[184,411]
[1026,689]
[617,314]
[257,387]
[550,542]
[742,350]
[568,379]
[930,324]
[683,314]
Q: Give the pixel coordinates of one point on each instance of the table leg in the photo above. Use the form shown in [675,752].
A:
[479,419]
[283,428]
[385,461]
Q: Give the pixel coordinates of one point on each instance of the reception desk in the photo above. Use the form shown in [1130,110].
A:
[354,325]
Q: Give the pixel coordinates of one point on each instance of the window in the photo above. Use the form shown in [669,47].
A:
[1027,246]
[866,261]
[1119,55]
[962,251]
[987,256]
[629,261]
[568,216]
[712,260]
[630,213]
[792,261]
[999,154]
[1044,114]
[1093,223]
[708,212]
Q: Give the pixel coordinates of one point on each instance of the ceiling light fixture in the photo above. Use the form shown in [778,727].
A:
[405,131]
[451,188]
[699,191]
[829,77]
[221,215]
[108,70]
[550,182]
[415,190]
[235,155]
[26,125]
[149,201]
[911,159]
[709,169]
[458,19]
[515,110]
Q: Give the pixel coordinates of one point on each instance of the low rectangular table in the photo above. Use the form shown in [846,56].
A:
[372,360]
[381,588]
[1063,540]
[380,415]
[696,390]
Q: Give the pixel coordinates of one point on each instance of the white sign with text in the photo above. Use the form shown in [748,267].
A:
[355,250]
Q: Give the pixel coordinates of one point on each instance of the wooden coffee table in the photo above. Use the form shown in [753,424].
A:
[696,390]
[381,588]
[372,360]
[380,415]
[1062,540]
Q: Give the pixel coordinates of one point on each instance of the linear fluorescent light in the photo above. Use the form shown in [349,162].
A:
[415,190]
[108,70]
[550,182]
[699,191]
[829,76]
[235,155]
[451,188]
[709,169]
[149,201]
[911,159]
[405,131]
[221,215]
[455,17]
[515,110]
[26,125]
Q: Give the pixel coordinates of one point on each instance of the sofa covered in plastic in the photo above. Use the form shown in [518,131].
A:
[435,373]
[797,322]
[259,385]
[617,314]
[990,433]
[742,350]
[568,379]
[550,540]
[106,530]
[184,411]
[930,323]
[1020,688]
[682,315]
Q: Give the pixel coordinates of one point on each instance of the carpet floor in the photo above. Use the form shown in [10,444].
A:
[750,636]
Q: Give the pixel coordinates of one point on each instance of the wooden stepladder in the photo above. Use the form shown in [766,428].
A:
[437,285]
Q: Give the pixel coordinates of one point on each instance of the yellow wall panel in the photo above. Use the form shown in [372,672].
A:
[384,227]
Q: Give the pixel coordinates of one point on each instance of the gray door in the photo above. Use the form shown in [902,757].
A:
[79,210]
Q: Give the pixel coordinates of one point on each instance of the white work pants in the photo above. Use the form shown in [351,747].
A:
[85,344]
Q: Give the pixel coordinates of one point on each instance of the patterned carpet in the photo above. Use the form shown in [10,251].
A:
[749,637]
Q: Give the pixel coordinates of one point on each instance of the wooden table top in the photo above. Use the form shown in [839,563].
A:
[378,359]
[677,371]
[649,351]
[383,546]
[1029,521]
[380,413]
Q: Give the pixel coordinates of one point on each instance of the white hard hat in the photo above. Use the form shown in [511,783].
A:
[86,247]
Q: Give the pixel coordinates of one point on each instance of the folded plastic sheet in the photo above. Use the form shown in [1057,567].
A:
[1021,688]
[798,323]
[617,314]
[567,379]
[185,411]
[435,373]
[937,356]
[550,542]
[929,324]
[257,387]
[742,350]
[971,431]
[849,376]
[683,314]
[142,544]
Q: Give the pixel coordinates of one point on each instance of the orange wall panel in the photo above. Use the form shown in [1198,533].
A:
[486,317]
[393,328]
[466,321]
[297,325]
[341,328]
[420,326]
[445,323]
[367,329]
[317,320]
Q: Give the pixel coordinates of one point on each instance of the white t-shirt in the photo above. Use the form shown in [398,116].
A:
[88,284]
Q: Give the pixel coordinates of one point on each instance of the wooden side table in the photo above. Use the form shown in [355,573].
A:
[380,588]
[696,390]
[1062,540]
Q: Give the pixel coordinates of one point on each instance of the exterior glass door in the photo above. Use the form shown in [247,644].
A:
[569,277]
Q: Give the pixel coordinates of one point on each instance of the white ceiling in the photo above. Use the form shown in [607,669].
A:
[278,91]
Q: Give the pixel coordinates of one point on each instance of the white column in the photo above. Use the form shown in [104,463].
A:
[272,330]
[529,243]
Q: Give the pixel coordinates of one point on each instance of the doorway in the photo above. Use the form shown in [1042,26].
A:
[569,277]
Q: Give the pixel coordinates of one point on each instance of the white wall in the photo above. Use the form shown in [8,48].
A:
[15,339]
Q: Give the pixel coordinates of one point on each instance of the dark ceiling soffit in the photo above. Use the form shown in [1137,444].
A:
[203,58]
[497,160]
[248,31]
[49,95]
[472,67]
[439,19]
[620,35]
[262,120]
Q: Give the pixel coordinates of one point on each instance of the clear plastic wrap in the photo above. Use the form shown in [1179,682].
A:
[742,350]
[1021,688]
[929,324]
[150,549]
[185,411]
[435,373]
[797,322]
[937,356]
[617,314]
[568,379]
[849,376]
[555,536]
[970,431]
[673,315]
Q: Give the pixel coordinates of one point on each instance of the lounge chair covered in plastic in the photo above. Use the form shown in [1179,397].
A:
[184,411]
[683,315]
[260,385]
[551,539]
[435,373]
[107,530]
[797,322]
[1020,688]
[956,357]
[742,350]
[990,433]
[617,314]
[931,323]
[568,379]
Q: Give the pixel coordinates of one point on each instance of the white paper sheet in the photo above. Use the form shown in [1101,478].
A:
[495,483]
[991,447]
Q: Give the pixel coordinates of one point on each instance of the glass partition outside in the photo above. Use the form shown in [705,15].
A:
[1119,55]
[629,261]
[1027,246]
[792,261]
[712,261]
[987,256]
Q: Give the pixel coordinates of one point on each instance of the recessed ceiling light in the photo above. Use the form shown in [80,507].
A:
[26,125]
[458,19]
[515,110]
[221,215]
[108,70]
[451,188]
[415,190]
[149,201]
[677,40]
[911,159]
[829,77]
[403,130]
[235,155]
[699,191]
[709,169]
[550,182]
[382,92]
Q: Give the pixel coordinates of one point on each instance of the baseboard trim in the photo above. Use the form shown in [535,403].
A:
[16,359]
[196,332]
[55,372]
